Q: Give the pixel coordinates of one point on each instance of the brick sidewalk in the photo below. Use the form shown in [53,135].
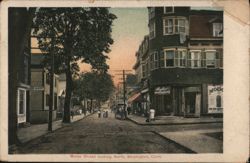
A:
[36,130]
[173,120]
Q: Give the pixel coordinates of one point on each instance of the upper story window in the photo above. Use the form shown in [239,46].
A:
[217,29]
[168,10]
[151,12]
[174,26]
[154,60]
[194,59]
[180,58]
[211,57]
[169,55]
[151,30]
[144,70]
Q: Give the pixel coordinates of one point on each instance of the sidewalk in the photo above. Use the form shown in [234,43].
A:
[198,141]
[37,130]
[173,120]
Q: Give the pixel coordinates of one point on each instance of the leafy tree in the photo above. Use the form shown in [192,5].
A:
[94,85]
[73,35]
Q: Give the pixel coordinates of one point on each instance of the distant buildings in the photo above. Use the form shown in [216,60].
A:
[179,64]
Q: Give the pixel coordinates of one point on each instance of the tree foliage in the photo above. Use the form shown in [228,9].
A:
[94,85]
[73,35]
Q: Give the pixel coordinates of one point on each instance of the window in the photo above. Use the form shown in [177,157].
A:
[180,58]
[174,26]
[169,58]
[151,12]
[47,99]
[168,10]
[47,78]
[217,29]
[162,59]
[151,30]
[194,59]
[168,26]
[154,60]
[211,59]
[21,101]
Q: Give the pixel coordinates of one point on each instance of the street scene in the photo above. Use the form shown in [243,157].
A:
[98,80]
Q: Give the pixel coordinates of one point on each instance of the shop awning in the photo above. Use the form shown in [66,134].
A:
[135,97]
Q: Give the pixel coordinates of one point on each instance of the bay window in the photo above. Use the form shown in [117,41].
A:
[180,58]
[169,58]
[154,60]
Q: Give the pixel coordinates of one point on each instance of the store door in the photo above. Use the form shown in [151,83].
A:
[190,102]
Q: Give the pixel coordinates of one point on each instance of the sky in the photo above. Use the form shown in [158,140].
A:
[129,29]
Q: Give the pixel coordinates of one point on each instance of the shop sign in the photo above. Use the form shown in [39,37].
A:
[37,88]
[21,119]
[215,99]
[162,91]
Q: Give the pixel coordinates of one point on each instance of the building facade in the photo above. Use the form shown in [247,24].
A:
[185,55]
[40,91]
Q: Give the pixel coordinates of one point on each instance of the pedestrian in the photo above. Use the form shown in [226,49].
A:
[72,114]
[99,114]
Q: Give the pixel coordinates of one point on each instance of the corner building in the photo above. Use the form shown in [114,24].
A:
[186,61]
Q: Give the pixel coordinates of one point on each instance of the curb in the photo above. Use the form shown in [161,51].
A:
[63,125]
[161,124]
[188,150]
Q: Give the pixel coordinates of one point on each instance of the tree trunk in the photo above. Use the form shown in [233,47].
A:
[66,117]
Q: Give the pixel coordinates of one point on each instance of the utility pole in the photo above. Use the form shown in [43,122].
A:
[124,83]
[51,89]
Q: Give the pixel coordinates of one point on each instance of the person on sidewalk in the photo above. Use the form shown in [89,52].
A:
[72,114]
[99,114]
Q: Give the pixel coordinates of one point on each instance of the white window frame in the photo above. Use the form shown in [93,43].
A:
[191,60]
[216,30]
[154,64]
[178,59]
[215,60]
[174,25]
[18,101]
[165,58]
[165,11]
[151,30]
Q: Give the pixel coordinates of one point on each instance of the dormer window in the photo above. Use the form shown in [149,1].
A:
[168,10]
[217,30]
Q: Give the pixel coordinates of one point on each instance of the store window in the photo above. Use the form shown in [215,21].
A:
[180,58]
[169,58]
[218,101]
[174,26]
[194,59]
[217,29]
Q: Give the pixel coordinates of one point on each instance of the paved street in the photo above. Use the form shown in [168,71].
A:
[109,135]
